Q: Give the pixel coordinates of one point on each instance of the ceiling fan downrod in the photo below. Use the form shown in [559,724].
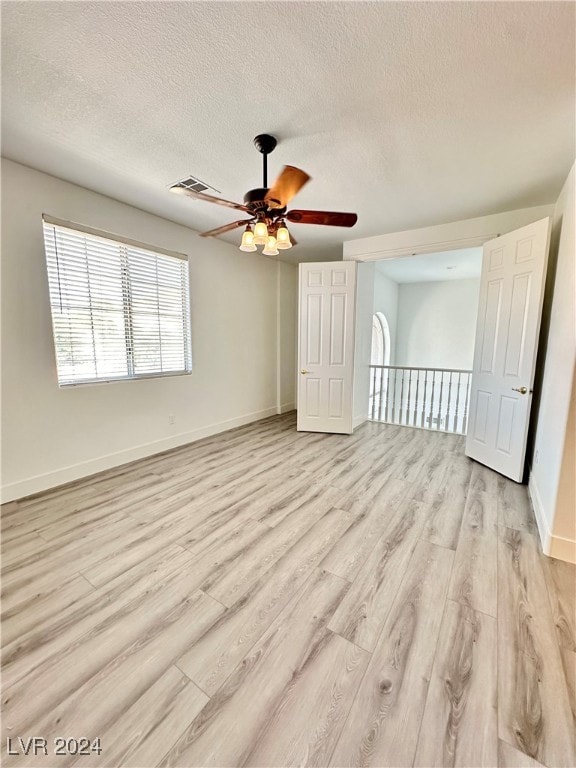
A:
[265,144]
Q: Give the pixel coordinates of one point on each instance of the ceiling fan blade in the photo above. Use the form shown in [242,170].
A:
[293,240]
[289,183]
[178,189]
[225,228]
[327,218]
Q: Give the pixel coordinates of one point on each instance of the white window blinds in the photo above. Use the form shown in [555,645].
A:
[120,310]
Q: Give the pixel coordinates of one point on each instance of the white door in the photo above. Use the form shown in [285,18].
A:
[326,346]
[511,293]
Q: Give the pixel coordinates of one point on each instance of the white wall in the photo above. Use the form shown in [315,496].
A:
[53,435]
[287,335]
[552,479]
[386,301]
[362,341]
[437,323]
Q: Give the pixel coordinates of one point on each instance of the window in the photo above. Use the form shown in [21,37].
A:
[380,340]
[120,310]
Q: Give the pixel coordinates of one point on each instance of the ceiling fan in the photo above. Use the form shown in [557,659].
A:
[266,207]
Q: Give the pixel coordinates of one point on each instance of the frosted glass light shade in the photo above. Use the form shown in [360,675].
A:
[260,233]
[248,237]
[283,238]
[270,249]
[248,241]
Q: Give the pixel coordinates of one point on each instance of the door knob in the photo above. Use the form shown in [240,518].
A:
[522,390]
[304,371]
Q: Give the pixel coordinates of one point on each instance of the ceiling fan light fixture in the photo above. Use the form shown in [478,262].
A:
[260,233]
[283,237]
[266,205]
[248,240]
[271,248]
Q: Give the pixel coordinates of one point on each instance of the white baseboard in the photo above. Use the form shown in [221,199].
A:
[553,546]
[563,549]
[286,407]
[38,483]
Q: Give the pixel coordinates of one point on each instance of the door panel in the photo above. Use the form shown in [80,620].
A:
[515,342]
[314,348]
[480,422]
[506,424]
[490,329]
[336,394]
[326,346]
[338,330]
[313,398]
[511,293]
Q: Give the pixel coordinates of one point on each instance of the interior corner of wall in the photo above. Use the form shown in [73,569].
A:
[553,545]
[539,514]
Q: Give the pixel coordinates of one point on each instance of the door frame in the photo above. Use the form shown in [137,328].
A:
[454,236]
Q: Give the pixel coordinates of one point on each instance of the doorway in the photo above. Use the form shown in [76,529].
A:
[432,303]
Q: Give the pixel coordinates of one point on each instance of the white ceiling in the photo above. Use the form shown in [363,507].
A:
[409,113]
[463,264]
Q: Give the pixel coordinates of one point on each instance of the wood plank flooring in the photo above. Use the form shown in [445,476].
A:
[272,598]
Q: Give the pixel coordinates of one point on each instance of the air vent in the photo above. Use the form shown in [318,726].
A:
[196,185]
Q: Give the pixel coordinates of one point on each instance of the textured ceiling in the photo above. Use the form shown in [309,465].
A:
[409,113]
[462,264]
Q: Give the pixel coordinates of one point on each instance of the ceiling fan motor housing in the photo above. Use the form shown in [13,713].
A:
[254,199]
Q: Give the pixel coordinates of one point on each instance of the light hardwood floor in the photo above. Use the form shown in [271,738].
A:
[272,598]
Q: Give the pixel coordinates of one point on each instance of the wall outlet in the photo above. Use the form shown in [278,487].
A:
[171,419]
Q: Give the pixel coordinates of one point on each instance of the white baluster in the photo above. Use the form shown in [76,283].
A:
[401,398]
[440,401]
[416,398]
[457,403]
[388,397]
[423,415]
[394,399]
[465,420]
[447,424]
[431,414]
